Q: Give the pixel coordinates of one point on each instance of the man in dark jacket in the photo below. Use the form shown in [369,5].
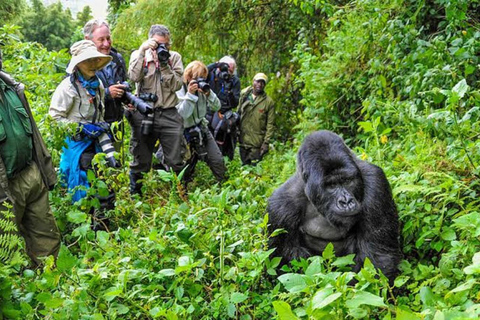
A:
[224,82]
[26,172]
[257,120]
[114,74]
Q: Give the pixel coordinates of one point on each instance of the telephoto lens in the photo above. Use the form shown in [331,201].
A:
[109,150]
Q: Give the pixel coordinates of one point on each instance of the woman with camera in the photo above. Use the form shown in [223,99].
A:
[79,98]
[196,99]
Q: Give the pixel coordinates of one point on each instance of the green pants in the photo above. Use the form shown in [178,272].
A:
[33,215]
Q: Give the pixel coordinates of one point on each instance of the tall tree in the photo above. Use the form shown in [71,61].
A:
[83,16]
[10,9]
[51,26]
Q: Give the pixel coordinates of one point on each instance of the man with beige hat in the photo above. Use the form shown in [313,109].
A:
[257,119]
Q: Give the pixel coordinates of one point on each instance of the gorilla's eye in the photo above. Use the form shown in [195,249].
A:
[305,176]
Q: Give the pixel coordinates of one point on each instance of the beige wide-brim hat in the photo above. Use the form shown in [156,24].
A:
[261,76]
[84,50]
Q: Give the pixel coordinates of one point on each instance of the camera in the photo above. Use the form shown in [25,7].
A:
[143,107]
[162,53]
[203,84]
[197,140]
[139,102]
[224,74]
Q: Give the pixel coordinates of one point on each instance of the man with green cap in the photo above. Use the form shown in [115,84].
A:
[257,119]
[26,172]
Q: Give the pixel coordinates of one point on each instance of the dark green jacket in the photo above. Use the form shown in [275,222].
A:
[257,119]
[41,156]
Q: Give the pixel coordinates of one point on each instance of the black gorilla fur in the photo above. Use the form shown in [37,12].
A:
[335,197]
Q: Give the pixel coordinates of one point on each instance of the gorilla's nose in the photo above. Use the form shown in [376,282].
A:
[346,202]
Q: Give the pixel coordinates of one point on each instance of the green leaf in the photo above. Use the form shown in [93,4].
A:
[448,234]
[427,296]
[324,297]
[328,252]
[284,311]
[403,314]
[293,282]
[65,260]
[167,272]
[102,238]
[461,88]
[344,261]
[238,297]
[365,298]
[76,216]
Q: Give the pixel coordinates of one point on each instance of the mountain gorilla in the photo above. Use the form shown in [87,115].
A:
[335,197]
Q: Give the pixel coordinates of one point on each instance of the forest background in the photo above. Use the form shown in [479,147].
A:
[398,79]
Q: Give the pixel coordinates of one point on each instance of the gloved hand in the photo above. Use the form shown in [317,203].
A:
[263,149]
[92,130]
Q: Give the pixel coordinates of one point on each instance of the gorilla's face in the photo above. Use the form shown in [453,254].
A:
[333,182]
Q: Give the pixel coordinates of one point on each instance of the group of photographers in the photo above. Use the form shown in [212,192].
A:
[189,114]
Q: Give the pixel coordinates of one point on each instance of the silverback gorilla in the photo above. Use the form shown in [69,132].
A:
[335,197]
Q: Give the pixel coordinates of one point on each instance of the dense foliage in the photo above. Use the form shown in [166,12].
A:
[52,25]
[397,78]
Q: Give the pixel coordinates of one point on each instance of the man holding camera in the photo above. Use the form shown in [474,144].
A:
[26,172]
[114,74]
[156,70]
[257,120]
[226,85]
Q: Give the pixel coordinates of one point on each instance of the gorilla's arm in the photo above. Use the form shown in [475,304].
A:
[378,230]
[286,208]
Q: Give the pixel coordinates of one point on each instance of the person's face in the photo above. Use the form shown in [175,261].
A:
[88,67]
[162,40]
[258,86]
[231,68]
[101,38]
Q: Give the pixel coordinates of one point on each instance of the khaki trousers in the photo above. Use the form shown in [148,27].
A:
[33,216]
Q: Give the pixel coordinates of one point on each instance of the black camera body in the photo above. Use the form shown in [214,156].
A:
[203,84]
[162,53]
[223,74]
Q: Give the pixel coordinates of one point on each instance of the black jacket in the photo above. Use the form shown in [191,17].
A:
[227,92]
[113,107]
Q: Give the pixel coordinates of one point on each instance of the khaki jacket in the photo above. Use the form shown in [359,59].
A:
[67,106]
[41,155]
[257,119]
[164,82]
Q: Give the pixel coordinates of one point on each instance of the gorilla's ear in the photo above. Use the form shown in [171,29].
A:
[301,164]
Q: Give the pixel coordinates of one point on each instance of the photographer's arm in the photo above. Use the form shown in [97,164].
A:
[186,104]
[135,68]
[214,103]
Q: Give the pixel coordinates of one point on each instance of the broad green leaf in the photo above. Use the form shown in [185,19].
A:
[324,297]
[65,260]
[284,311]
[293,282]
[365,298]
[403,314]
[461,88]
[238,297]
[76,216]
